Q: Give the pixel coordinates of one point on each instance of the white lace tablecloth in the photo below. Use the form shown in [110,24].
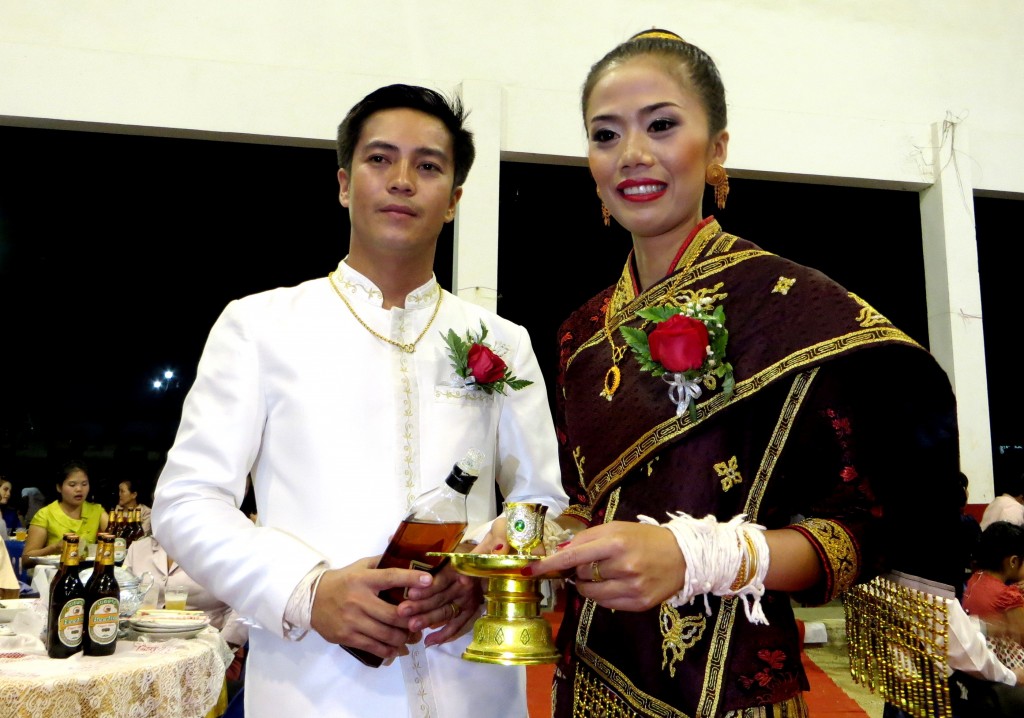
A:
[174,678]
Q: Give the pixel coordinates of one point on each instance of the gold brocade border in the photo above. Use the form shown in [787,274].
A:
[674,427]
[625,693]
[840,552]
[624,304]
[714,675]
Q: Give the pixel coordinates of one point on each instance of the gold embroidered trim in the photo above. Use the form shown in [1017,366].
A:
[783,285]
[723,243]
[840,552]
[795,707]
[730,473]
[718,655]
[868,316]
[678,634]
[674,427]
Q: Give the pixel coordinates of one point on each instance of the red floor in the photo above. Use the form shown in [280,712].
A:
[825,699]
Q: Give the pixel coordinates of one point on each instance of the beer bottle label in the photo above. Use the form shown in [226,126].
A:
[103,619]
[70,622]
[119,549]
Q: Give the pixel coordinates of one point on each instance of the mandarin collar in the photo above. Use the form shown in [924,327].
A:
[359,287]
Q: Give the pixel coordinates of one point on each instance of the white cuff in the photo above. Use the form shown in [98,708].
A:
[298,613]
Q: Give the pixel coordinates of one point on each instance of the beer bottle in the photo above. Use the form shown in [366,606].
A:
[139,529]
[65,620]
[102,602]
[435,523]
[120,544]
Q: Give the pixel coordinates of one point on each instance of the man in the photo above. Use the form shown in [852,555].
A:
[340,398]
[1008,506]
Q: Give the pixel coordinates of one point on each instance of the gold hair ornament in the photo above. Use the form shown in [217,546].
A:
[658,35]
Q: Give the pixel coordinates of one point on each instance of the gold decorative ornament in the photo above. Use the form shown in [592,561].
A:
[606,215]
[511,631]
[717,177]
[407,348]
[658,35]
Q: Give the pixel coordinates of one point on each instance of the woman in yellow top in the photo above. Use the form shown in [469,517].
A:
[71,512]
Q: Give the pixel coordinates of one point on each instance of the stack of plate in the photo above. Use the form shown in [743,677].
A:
[162,623]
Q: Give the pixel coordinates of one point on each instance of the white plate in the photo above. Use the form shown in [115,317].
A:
[10,607]
[47,560]
[166,626]
[185,633]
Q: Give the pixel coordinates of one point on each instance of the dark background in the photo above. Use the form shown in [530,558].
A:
[117,253]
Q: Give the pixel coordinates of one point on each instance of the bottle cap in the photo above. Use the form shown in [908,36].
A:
[465,471]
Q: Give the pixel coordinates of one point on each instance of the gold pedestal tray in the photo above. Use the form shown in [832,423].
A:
[512,631]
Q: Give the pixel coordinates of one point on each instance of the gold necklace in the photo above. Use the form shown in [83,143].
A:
[613,377]
[407,348]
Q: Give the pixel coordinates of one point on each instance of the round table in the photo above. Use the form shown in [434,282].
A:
[169,678]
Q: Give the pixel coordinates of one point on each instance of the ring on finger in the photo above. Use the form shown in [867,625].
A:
[456,609]
[595,572]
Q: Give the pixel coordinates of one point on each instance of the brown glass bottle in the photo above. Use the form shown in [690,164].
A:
[435,523]
[65,620]
[102,602]
[118,532]
[138,530]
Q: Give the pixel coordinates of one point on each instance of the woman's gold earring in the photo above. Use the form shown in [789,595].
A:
[717,178]
[606,216]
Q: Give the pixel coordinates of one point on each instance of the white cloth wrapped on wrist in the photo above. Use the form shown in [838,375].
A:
[723,559]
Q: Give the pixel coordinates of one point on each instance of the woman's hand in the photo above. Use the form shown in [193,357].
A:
[35,543]
[621,565]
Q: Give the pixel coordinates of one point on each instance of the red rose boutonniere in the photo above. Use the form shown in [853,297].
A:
[686,349]
[477,365]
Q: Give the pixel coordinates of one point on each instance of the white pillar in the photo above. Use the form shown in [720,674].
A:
[475,260]
[955,332]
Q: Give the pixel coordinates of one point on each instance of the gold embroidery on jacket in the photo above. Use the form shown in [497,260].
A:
[718,654]
[678,634]
[783,285]
[591,698]
[868,316]
[675,427]
[840,552]
[578,458]
[730,473]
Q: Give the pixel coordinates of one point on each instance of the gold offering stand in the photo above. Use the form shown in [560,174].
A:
[511,631]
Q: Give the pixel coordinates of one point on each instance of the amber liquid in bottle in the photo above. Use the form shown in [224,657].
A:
[435,522]
[102,602]
[409,548]
[65,621]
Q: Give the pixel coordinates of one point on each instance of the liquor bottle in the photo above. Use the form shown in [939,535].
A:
[102,602]
[65,621]
[435,523]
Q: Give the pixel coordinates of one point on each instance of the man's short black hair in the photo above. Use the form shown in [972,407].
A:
[449,111]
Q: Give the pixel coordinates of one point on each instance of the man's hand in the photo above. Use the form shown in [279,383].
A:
[452,602]
[347,611]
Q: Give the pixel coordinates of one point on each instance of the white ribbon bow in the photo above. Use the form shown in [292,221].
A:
[681,391]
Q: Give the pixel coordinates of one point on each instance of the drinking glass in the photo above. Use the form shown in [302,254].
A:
[175,597]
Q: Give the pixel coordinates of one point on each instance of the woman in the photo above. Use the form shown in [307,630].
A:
[993,593]
[8,514]
[71,512]
[128,498]
[744,396]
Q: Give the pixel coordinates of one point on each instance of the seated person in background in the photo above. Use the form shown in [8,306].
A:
[128,498]
[969,533]
[1009,506]
[10,587]
[992,594]
[146,554]
[32,500]
[8,514]
[71,512]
